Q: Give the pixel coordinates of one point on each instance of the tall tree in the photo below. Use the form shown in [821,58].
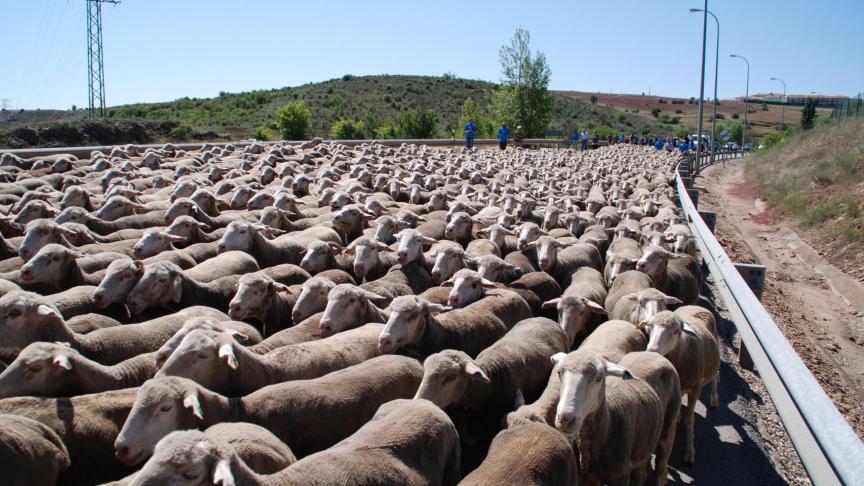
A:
[808,114]
[523,97]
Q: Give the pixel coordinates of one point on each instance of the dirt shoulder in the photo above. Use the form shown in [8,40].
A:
[819,308]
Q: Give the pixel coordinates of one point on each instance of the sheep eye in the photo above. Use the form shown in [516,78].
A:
[166,408]
[474,285]
[190,475]
[35,369]
[202,355]
[447,379]
[598,379]
[14,313]
[352,300]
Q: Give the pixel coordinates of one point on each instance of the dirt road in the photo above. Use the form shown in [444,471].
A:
[818,307]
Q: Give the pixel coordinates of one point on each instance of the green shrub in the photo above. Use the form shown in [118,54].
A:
[294,120]
[721,116]
[346,129]
[593,99]
[262,133]
[180,133]
[735,116]
[678,112]
[655,112]
[387,130]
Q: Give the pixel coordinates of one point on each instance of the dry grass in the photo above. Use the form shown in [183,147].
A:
[816,178]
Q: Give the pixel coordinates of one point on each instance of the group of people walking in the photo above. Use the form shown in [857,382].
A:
[503,135]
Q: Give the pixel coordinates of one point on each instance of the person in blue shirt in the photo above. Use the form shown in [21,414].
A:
[503,135]
[584,139]
[574,139]
[684,147]
[658,144]
[470,130]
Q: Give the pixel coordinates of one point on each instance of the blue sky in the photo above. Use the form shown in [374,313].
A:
[160,50]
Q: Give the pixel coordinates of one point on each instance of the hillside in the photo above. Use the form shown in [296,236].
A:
[816,179]
[373,99]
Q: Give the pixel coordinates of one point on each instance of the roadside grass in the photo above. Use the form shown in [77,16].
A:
[816,178]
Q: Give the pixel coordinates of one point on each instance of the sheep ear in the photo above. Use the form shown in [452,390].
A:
[488,284]
[673,256]
[280,287]
[429,241]
[222,475]
[466,258]
[476,373]
[519,400]
[557,357]
[595,307]
[437,308]
[551,304]
[226,352]
[139,267]
[531,246]
[613,369]
[371,295]
[384,248]
[673,300]
[191,402]
[45,310]
[62,361]
[237,335]
[687,328]
[176,289]
[631,297]
[175,238]
[348,251]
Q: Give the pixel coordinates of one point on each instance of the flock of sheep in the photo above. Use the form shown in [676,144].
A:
[320,314]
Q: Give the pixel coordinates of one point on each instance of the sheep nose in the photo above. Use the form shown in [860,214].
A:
[220,248]
[326,327]
[565,422]
[385,344]
[296,316]
[436,275]
[401,256]
[234,311]
[453,301]
[544,263]
[121,451]
[26,272]
[24,254]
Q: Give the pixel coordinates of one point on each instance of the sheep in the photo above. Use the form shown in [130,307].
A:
[39,233]
[320,256]
[629,282]
[672,273]
[89,438]
[688,339]
[30,452]
[531,454]
[495,269]
[55,369]
[618,414]
[498,235]
[421,328]
[571,257]
[101,227]
[485,387]
[469,287]
[218,363]
[372,259]
[249,238]
[57,266]
[155,241]
[622,256]
[407,442]
[612,339]
[349,306]
[26,319]
[537,288]
[193,230]
[404,279]
[640,306]
[122,275]
[449,259]
[289,410]
[581,303]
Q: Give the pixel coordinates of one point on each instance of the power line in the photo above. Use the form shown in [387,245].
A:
[95,63]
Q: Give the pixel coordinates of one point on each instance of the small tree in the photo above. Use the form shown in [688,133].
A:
[473,111]
[593,99]
[294,120]
[346,129]
[808,115]
[523,97]
[412,124]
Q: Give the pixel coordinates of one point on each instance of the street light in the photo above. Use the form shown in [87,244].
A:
[746,95]
[783,106]
[716,74]
[701,92]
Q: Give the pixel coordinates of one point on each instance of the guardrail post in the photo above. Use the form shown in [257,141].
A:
[754,276]
[693,193]
[710,219]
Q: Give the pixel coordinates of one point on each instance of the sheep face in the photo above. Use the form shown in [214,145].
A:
[186,458]
[448,260]
[345,304]
[161,284]
[120,277]
[154,242]
[312,298]
[75,196]
[651,302]
[350,218]
[492,268]
[241,197]
[163,405]
[528,233]
[547,251]
[616,265]
[407,322]
[318,255]
[583,388]
[181,207]
[184,226]
[550,218]
[238,236]
[22,319]
[203,356]
[385,228]
[39,370]
[573,313]
[40,233]
[49,265]
[35,209]
[496,234]
[254,295]
[665,329]
[447,376]
[459,227]
[365,255]
[183,189]
[468,287]
[340,200]
[408,219]
[653,262]
[116,207]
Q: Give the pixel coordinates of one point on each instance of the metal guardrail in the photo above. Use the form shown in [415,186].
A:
[828,447]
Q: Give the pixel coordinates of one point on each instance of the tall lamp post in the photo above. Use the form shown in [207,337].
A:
[746,95]
[701,93]
[783,106]
[716,74]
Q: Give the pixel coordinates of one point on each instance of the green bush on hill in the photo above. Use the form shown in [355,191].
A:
[346,129]
[294,120]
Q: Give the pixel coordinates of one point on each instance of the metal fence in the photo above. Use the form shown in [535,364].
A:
[828,447]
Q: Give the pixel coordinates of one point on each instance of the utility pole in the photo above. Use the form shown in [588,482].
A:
[701,92]
[95,64]
[4,108]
